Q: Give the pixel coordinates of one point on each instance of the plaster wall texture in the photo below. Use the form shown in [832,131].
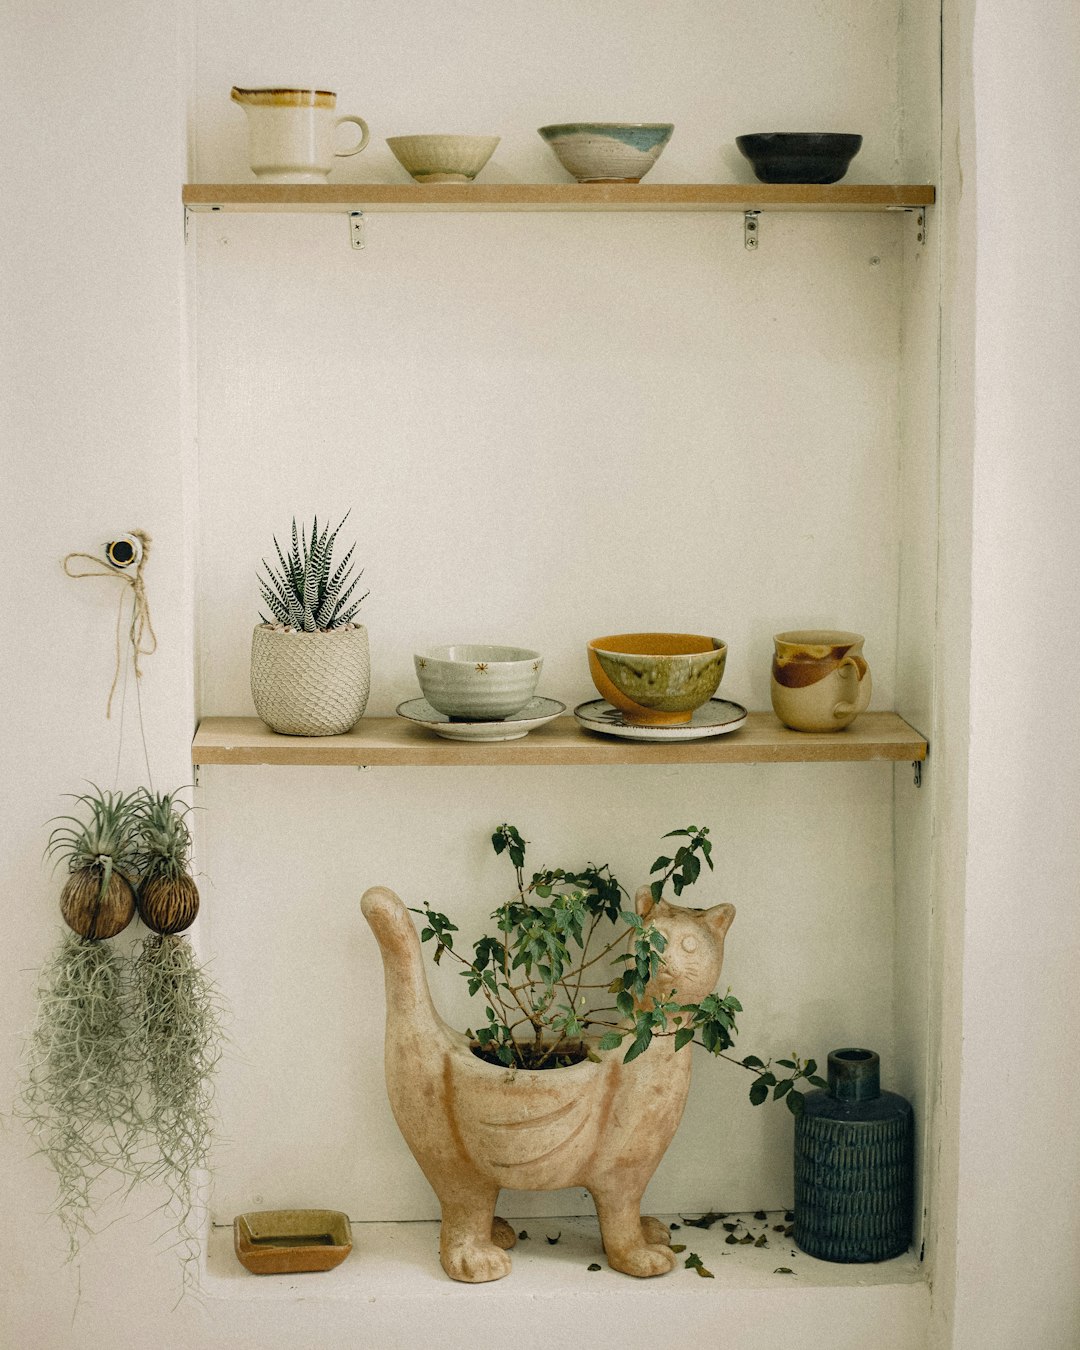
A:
[1022,930]
[95,439]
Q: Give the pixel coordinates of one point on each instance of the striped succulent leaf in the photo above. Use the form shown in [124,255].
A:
[333,589]
[342,616]
[305,592]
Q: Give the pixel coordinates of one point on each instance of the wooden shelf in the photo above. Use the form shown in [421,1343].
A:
[556,197]
[394,741]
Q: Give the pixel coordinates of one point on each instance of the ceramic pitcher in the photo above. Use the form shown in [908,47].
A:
[291,133]
[820,679]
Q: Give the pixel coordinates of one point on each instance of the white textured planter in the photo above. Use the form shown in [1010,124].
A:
[310,684]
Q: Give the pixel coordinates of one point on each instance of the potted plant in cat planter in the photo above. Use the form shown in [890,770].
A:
[544,1095]
[310,668]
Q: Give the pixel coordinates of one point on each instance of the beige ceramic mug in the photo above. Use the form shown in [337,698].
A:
[820,680]
[291,133]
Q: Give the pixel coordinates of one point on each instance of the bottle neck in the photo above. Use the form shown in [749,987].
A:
[854,1075]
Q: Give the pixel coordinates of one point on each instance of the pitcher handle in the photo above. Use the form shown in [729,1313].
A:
[364,138]
[850,668]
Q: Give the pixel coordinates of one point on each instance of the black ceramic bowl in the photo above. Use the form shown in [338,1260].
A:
[799,156]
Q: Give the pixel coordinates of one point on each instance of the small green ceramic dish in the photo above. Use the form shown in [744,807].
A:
[290,1241]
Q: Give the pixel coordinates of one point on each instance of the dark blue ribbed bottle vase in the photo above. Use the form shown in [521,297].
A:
[854,1165]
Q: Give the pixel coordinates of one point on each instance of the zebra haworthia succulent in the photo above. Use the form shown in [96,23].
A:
[307,593]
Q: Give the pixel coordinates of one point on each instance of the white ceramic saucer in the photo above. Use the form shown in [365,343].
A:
[534,714]
[715,718]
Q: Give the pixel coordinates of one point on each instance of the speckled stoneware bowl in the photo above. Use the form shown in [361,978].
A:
[657,679]
[608,152]
[443,159]
[472,681]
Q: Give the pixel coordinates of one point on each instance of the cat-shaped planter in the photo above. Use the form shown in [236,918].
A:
[476,1127]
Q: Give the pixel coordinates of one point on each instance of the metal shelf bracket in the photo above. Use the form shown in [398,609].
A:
[356,228]
[750,229]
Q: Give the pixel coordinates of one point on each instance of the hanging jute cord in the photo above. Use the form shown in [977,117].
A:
[141,633]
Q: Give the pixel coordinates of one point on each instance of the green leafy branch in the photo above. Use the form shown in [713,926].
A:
[538,973]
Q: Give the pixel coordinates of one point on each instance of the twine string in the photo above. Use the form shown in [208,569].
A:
[141,636]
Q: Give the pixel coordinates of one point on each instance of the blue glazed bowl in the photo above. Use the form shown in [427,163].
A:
[608,152]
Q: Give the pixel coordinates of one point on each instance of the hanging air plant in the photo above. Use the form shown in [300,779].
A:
[168,898]
[176,1013]
[80,1094]
[98,899]
[118,1076]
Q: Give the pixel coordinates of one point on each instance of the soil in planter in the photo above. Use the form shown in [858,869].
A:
[528,1056]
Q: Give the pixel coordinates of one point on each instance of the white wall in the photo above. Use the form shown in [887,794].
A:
[1021,1017]
[95,438]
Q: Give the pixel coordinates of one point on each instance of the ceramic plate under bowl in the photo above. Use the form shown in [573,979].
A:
[715,718]
[534,714]
[288,1241]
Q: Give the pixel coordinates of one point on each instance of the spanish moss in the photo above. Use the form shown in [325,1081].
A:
[176,1014]
[80,1094]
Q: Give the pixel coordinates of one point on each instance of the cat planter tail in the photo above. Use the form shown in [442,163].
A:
[476,1127]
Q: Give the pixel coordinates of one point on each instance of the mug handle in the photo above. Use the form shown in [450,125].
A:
[364,138]
[847,669]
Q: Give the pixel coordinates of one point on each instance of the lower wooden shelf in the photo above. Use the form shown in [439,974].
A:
[392,741]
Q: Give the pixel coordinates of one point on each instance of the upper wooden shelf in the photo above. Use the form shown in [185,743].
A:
[394,741]
[556,196]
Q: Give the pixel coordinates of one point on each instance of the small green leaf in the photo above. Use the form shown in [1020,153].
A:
[683,1037]
[787,1063]
[594,1266]
[795,1103]
[783,1270]
[752,1062]
[759,1092]
[678,1247]
[611,1040]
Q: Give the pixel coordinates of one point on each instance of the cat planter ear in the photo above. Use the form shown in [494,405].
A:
[643,901]
[719,918]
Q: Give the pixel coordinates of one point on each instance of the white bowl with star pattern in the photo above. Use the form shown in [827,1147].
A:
[477,681]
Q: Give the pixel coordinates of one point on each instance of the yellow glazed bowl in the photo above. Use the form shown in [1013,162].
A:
[657,679]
